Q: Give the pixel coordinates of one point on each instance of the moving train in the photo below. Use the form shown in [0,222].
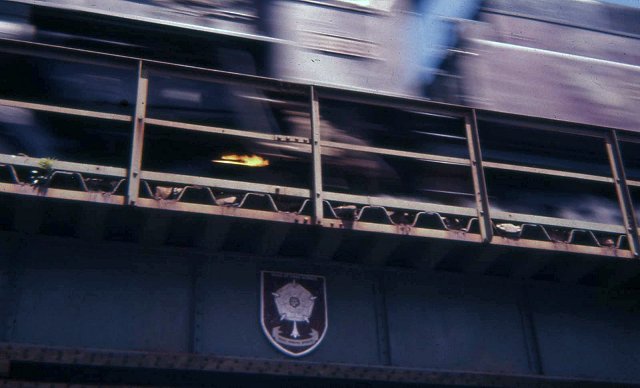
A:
[576,63]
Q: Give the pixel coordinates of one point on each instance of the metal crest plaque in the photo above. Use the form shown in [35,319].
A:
[293,311]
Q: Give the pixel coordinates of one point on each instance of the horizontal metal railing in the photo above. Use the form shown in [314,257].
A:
[482,213]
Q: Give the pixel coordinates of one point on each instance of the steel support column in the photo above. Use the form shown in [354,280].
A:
[622,190]
[138,135]
[316,192]
[477,171]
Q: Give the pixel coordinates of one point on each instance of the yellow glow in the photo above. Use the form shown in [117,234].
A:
[243,160]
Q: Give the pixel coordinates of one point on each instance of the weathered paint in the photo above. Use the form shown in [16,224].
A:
[127,297]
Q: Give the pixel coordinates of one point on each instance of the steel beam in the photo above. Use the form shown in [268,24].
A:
[225,184]
[137,140]
[399,153]
[316,155]
[399,204]
[622,190]
[302,141]
[561,247]
[555,221]
[546,171]
[207,364]
[62,194]
[59,165]
[477,171]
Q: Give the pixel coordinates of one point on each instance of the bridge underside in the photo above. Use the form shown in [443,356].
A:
[96,293]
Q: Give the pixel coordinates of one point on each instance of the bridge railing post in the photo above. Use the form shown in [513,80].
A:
[316,189]
[622,190]
[477,172]
[137,140]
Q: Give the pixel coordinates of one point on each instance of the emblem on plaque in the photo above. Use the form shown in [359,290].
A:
[293,311]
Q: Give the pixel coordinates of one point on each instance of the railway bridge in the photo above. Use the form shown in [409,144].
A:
[130,274]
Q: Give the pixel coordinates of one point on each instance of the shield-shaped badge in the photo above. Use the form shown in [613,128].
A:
[293,311]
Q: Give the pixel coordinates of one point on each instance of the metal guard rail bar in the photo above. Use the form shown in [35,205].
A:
[314,145]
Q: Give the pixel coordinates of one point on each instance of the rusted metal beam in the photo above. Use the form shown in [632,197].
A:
[225,184]
[399,153]
[137,140]
[301,141]
[622,190]
[223,211]
[546,171]
[316,154]
[399,204]
[554,221]
[11,188]
[477,172]
[562,247]
[64,166]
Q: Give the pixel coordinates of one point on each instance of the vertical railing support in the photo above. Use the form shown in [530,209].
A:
[479,184]
[316,190]
[622,190]
[138,135]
